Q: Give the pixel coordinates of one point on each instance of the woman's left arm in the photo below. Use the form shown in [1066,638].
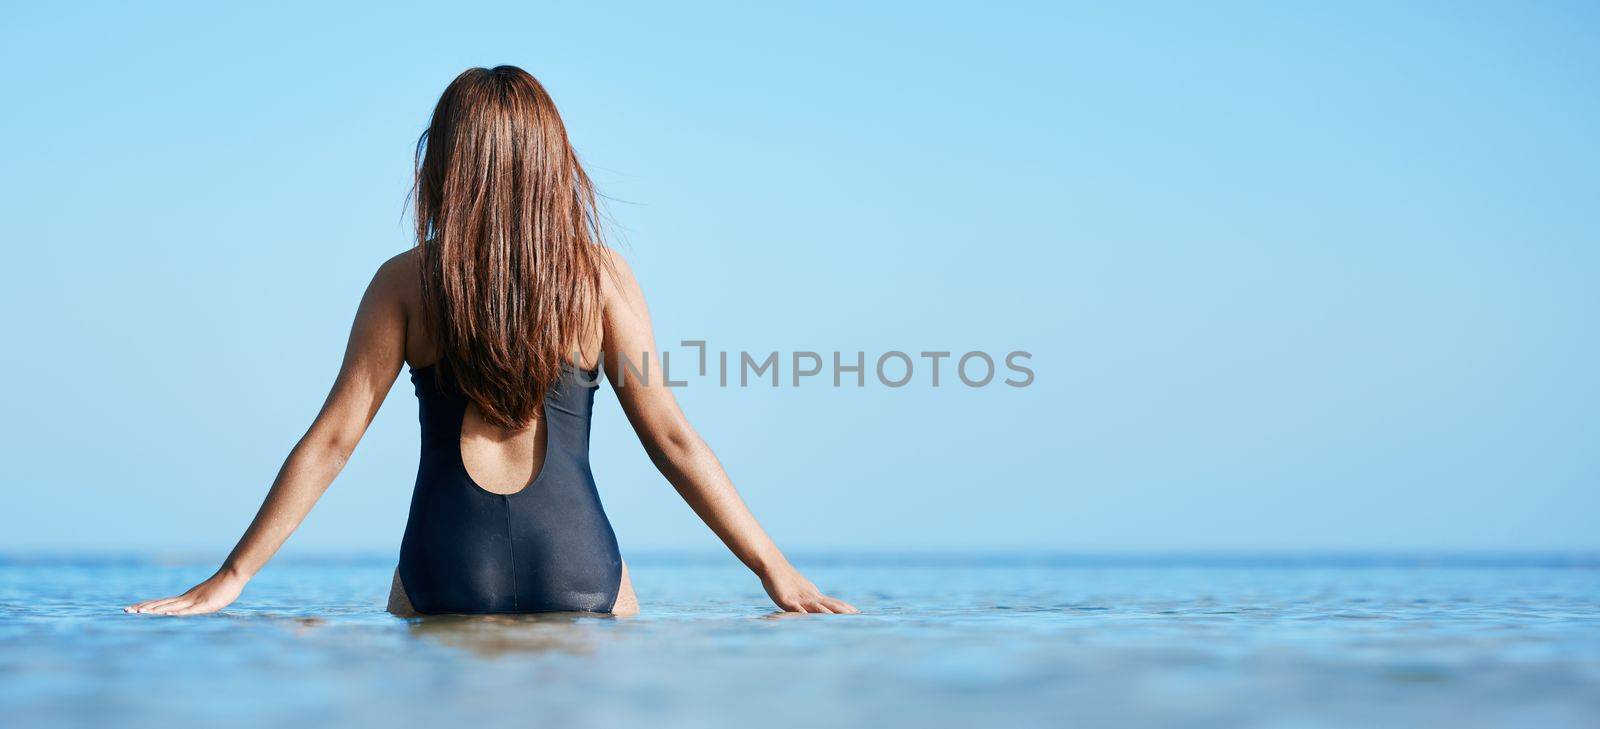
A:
[683,457]
[372,360]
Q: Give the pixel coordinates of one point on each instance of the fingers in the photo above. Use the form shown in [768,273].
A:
[840,607]
[820,604]
[148,605]
[180,605]
[172,607]
[136,607]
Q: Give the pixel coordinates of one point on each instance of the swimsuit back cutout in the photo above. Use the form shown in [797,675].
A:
[547,547]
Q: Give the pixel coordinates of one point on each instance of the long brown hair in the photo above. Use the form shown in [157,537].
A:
[512,251]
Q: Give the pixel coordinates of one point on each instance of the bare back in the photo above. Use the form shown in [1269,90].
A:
[503,462]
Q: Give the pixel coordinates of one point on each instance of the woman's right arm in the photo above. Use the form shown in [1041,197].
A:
[372,360]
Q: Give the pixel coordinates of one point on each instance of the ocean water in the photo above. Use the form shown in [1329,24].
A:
[942,642]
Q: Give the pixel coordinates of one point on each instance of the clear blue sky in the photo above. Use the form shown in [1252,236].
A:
[1315,277]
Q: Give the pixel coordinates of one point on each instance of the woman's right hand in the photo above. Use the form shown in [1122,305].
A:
[216,593]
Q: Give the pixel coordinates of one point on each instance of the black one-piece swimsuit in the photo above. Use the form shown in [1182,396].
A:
[548,547]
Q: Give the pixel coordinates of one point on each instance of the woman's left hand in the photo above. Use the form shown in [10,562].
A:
[216,593]
[794,593]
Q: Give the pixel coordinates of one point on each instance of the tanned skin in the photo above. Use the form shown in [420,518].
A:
[389,333]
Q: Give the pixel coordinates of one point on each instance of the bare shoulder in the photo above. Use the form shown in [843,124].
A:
[398,274]
[396,285]
[617,284]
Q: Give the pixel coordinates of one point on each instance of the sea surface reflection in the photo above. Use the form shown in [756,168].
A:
[1017,640]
